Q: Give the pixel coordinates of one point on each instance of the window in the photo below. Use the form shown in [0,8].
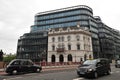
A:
[69,38]
[16,63]
[53,39]
[88,39]
[53,48]
[58,39]
[78,38]
[78,46]
[62,38]
[69,47]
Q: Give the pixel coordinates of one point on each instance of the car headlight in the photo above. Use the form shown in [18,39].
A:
[90,69]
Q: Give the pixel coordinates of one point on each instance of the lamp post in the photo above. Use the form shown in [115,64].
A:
[43,55]
[75,58]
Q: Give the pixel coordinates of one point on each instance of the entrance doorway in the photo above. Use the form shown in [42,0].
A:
[70,57]
[61,58]
[53,59]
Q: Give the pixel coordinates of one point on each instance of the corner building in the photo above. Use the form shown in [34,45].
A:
[105,40]
[66,17]
[71,44]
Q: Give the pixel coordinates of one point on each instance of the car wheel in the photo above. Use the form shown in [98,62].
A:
[38,70]
[95,75]
[14,72]
[108,72]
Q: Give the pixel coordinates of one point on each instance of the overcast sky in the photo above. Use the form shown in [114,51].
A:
[16,16]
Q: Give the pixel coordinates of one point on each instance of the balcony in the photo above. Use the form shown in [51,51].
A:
[60,49]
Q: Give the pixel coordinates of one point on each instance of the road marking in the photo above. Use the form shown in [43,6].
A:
[117,71]
[78,79]
[111,72]
[13,78]
[30,74]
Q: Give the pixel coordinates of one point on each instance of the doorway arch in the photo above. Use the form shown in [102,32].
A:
[61,58]
[69,57]
[53,58]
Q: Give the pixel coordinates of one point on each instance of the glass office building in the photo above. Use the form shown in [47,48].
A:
[66,17]
[105,40]
[33,46]
[109,41]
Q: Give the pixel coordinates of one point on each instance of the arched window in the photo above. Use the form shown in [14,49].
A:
[69,57]
[53,58]
[58,39]
[78,46]
[78,38]
[61,58]
[53,47]
[62,38]
[69,46]
[53,39]
[68,38]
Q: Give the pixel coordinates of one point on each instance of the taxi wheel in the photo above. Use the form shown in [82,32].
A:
[108,72]
[95,75]
[38,70]
[14,72]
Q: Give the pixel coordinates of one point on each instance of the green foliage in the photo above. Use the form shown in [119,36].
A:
[9,57]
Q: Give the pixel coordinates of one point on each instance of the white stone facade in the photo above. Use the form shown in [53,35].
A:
[72,44]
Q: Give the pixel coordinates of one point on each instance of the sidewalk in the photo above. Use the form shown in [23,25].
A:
[51,68]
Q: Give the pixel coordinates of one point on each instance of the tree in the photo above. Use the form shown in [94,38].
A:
[9,57]
[1,55]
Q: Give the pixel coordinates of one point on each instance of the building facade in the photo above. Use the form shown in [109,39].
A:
[105,40]
[109,41]
[33,46]
[71,44]
[66,17]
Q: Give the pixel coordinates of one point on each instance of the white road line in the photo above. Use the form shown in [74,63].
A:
[13,78]
[78,79]
[117,71]
[111,72]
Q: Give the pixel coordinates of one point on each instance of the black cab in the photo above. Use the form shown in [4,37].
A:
[22,65]
[94,68]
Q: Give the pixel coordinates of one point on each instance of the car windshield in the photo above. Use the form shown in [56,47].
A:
[89,62]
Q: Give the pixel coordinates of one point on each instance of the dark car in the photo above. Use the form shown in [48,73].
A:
[94,68]
[117,63]
[22,65]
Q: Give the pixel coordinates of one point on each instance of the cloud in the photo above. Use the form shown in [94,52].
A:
[17,16]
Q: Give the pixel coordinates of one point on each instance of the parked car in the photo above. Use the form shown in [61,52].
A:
[94,68]
[117,63]
[22,65]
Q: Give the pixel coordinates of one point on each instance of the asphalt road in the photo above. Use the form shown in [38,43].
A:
[60,75]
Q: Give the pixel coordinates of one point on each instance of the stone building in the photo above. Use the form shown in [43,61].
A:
[71,44]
